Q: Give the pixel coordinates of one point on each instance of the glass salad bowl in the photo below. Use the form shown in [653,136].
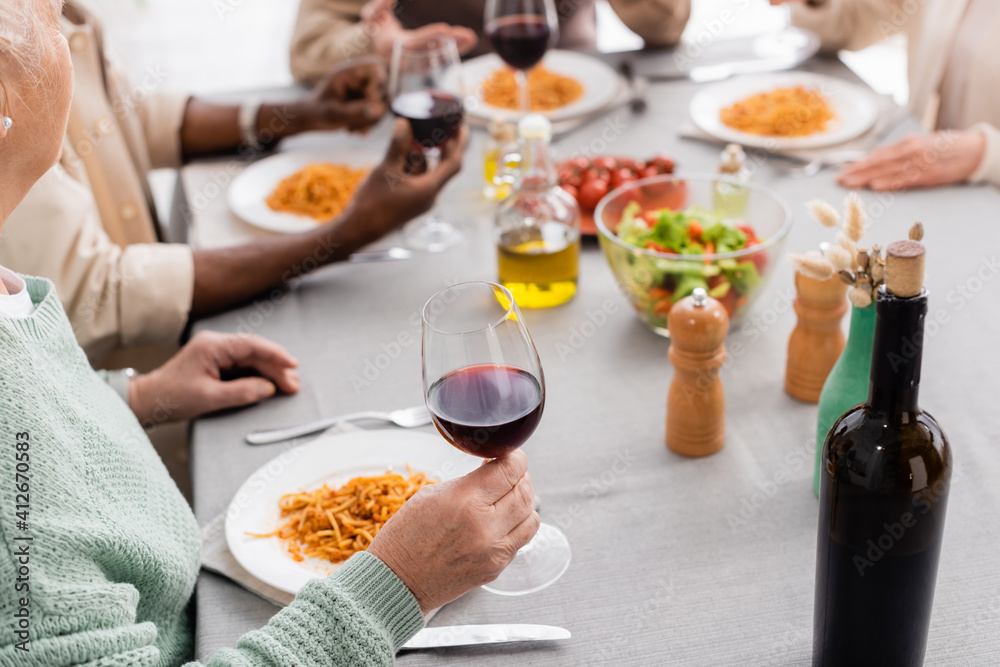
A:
[667,235]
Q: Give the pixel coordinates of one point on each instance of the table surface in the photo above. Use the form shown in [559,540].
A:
[675,561]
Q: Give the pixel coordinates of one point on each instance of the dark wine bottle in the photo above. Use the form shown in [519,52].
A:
[883,494]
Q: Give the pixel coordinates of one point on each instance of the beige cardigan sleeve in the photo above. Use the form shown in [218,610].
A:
[988,170]
[327,33]
[851,24]
[658,22]
[162,115]
[113,296]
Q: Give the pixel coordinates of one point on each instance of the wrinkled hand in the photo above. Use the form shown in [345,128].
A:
[919,160]
[392,194]
[351,97]
[385,29]
[454,536]
[190,383]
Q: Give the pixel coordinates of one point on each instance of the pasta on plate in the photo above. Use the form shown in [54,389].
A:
[783,112]
[546,89]
[334,524]
[320,191]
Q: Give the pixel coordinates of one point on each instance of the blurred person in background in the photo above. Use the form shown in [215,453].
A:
[113,573]
[90,223]
[954,79]
[328,32]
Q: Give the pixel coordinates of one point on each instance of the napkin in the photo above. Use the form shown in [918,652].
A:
[889,115]
[216,556]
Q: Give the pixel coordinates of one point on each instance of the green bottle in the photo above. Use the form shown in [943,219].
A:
[847,384]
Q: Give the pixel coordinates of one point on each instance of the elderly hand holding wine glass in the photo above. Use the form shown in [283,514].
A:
[484,387]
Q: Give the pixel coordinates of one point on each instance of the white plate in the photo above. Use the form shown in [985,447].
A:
[250,189]
[332,460]
[600,84]
[856,108]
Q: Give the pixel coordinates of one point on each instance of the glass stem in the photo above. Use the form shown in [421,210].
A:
[522,86]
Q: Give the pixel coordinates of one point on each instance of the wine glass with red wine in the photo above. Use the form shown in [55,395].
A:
[521,32]
[485,390]
[426,88]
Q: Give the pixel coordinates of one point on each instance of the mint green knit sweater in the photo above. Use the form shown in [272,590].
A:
[108,573]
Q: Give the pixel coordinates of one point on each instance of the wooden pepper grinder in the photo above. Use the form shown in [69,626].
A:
[817,341]
[696,420]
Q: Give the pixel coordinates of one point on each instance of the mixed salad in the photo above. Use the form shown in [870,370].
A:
[659,282]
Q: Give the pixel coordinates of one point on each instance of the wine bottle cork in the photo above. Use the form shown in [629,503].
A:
[904,268]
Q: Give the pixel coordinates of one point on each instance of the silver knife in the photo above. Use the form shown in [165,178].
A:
[720,71]
[467,635]
[381,255]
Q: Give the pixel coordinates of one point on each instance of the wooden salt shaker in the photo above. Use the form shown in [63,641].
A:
[817,341]
[696,421]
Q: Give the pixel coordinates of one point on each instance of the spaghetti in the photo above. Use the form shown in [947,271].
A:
[546,90]
[334,524]
[320,191]
[783,112]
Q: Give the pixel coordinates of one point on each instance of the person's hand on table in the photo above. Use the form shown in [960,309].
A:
[919,160]
[190,383]
[454,536]
[396,191]
[385,29]
[351,96]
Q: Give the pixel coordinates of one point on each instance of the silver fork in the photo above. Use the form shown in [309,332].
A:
[829,160]
[406,418]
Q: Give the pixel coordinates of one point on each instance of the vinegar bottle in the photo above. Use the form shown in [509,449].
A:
[538,226]
[883,494]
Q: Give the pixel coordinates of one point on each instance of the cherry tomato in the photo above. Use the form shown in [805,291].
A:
[570,190]
[605,162]
[589,174]
[621,176]
[580,162]
[663,164]
[663,307]
[759,258]
[630,164]
[651,217]
[653,245]
[748,230]
[565,174]
[694,230]
[591,192]
[646,172]
[729,301]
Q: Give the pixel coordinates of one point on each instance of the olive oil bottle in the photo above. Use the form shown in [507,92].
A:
[883,494]
[538,226]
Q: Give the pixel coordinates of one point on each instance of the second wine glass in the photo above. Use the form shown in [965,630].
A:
[484,387]
[426,88]
[521,31]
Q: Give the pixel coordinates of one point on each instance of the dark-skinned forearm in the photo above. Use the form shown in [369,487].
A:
[214,128]
[227,277]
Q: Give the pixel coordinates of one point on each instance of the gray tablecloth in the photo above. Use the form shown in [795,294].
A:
[675,561]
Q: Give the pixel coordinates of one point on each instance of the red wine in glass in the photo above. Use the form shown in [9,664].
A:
[520,40]
[486,410]
[435,116]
